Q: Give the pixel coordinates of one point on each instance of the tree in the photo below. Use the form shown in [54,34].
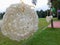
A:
[1,15]
[55,3]
[41,13]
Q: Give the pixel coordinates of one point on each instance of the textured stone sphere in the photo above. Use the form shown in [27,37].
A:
[19,22]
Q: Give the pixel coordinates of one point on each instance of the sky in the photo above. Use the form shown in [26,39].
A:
[41,4]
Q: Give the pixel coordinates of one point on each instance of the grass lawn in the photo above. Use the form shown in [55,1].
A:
[48,36]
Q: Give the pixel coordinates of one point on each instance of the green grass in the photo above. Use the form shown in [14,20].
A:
[49,36]
[42,23]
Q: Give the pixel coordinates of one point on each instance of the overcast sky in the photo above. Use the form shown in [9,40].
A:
[41,4]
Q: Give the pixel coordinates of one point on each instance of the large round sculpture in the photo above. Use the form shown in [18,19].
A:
[19,22]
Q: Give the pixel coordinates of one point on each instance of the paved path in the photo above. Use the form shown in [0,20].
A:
[1,21]
[56,24]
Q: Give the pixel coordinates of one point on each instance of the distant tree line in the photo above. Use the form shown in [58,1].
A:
[1,14]
[43,14]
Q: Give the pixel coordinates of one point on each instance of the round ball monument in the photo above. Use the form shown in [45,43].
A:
[19,22]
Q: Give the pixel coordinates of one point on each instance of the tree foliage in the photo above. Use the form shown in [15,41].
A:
[1,15]
[56,3]
[43,14]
